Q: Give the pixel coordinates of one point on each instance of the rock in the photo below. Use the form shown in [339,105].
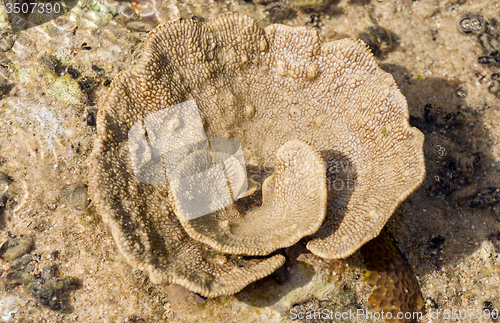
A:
[15,248]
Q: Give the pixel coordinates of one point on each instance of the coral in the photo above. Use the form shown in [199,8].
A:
[286,215]
[263,88]
[396,288]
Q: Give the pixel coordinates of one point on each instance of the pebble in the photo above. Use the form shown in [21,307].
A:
[5,86]
[72,72]
[18,277]
[141,26]
[44,296]
[21,262]
[50,63]
[489,43]
[7,40]
[86,84]
[378,39]
[15,248]
[25,270]
[78,197]
[489,60]
[86,47]
[494,86]
[472,22]
[487,196]
[461,92]
[91,118]
[4,182]
[98,70]
[134,319]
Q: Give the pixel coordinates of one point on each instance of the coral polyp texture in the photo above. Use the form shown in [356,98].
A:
[396,288]
[323,129]
[297,188]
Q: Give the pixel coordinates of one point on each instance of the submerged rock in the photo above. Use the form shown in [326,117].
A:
[15,248]
[77,197]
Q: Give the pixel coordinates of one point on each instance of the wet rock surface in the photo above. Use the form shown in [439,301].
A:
[24,269]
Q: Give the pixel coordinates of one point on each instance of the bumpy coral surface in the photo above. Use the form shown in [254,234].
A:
[277,91]
[396,288]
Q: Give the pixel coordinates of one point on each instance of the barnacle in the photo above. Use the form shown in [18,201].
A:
[472,22]
[323,118]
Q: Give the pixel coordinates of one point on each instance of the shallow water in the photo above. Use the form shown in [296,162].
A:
[53,78]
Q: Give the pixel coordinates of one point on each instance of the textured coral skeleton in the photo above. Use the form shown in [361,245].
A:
[295,104]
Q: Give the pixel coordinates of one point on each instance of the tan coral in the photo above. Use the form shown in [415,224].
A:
[264,88]
[294,193]
[142,221]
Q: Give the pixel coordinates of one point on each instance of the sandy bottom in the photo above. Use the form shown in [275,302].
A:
[47,130]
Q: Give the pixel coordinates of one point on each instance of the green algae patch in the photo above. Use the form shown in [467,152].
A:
[67,90]
[26,74]
[309,3]
[61,56]
[384,131]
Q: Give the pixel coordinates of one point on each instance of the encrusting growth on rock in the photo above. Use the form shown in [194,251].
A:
[293,103]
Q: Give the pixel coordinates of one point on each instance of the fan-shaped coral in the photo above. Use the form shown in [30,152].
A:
[323,116]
